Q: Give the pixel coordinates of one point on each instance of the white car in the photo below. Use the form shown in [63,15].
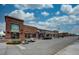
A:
[30,40]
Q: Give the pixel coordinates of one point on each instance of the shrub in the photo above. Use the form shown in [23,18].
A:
[14,42]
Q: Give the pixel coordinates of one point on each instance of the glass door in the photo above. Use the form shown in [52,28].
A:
[14,35]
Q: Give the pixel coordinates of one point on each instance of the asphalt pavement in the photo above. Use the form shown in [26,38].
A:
[40,47]
[72,49]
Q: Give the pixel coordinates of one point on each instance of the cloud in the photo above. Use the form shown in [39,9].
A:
[75,29]
[57,13]
[29,16]
[66,8]
[75,10]
[47,6]
[2,26]
[71,19]
[39,24]
[35,24]
[54,22]
[33,6]
[69,10]
[20,14]
[43,25]
[45,13]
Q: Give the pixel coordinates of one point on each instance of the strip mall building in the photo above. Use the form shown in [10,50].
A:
[15,29]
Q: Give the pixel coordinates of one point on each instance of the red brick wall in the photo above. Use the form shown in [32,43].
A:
[10,20]
[30,29]
[23,28]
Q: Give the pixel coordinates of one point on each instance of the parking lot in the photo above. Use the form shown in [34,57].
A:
[40,47]
[72,49]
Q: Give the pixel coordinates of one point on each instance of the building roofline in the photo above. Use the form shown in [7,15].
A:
[48,30]
[14,18]
[31,26]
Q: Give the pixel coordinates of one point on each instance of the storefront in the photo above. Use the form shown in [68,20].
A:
[15,29]
[30,32]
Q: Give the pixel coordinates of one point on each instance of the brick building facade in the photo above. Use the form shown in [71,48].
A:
[19,30]
[15,29]
[30,31]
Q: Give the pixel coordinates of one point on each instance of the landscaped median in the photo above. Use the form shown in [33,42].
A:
[13,41]
[18,41]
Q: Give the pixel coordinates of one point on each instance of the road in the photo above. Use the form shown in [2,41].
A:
[40,47]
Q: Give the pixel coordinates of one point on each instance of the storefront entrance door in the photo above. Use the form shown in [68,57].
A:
[14,35]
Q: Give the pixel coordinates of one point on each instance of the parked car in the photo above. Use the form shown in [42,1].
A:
[30,40]
[47,37]
[2,37]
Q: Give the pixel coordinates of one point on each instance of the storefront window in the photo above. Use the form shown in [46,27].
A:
[15,27]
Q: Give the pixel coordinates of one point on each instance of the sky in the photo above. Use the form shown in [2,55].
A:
[61,17]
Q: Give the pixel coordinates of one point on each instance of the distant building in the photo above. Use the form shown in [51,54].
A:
[65,34]
[47,33]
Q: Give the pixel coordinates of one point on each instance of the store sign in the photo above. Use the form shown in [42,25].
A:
[15,28]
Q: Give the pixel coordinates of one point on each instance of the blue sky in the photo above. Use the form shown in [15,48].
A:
[45,16]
